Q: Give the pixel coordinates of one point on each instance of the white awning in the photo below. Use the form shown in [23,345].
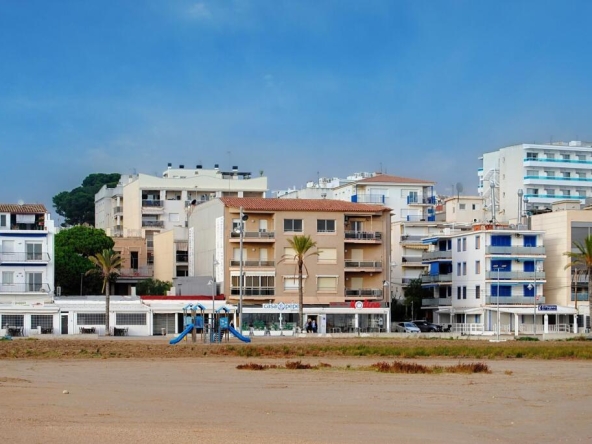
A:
[461,310]
[530,310]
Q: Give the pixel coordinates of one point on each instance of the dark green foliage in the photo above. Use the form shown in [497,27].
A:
[73,246]
[78,206]
[414,293]
[153,287]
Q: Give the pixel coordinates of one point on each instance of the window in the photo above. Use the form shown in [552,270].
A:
[43,321]
[13,320]
[550,173]
[532,156]
[477,267]
[464,292]
[473,207]
[90,318]
[293,225]
[325,226]
[550,155]
[462,207]
[582,193]
[565,156]
[291,283]
[327,256]
[581,157]
[464,268]
[477,291]
[7,277]
[150,258]
[458,268]
[3,220]
[327,283]
[477,242]
[532,173]
[533,191]
[566,174]
[34,281]
[464,244]
[582,175]
[566,192]
[504,290]
[458,244]
[458,292]
[550,192]
[289,255]
[130,318]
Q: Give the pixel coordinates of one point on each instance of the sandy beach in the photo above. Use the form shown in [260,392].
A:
[207,399]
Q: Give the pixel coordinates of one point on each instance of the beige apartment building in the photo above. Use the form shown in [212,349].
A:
[347,271]
[565,224]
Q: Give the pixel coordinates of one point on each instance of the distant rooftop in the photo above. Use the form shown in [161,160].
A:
[386,178]
[23,208]
[262,204]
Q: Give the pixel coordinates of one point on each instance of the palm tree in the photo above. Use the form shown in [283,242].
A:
[106,265]
[583,258]
[301,245]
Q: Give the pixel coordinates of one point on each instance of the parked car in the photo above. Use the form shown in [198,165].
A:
[426,326]
[407,327]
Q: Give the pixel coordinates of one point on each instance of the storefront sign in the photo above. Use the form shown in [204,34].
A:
[547,307]
[281,306]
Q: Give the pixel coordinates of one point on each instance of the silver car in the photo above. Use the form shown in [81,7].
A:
[407,327]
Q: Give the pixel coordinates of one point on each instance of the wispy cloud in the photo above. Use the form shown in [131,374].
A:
[200,11]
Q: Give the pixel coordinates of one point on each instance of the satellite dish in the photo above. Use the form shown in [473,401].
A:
[21,202]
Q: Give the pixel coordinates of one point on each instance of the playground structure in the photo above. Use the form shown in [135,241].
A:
[216,330]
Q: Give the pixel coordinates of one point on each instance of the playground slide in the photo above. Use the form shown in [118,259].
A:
[182,335]
[238,335]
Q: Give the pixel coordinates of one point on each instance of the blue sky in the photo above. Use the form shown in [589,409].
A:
[294,88]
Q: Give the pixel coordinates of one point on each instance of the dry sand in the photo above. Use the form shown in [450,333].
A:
[207,400]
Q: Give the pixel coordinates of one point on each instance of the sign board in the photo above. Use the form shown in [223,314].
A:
[224,323]
[547,307]
[281,306]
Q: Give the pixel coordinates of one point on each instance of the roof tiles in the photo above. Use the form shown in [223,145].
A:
[385,178]
[23,209]
[275,204]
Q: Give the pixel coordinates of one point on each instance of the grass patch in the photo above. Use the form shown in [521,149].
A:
[414,368]
[527,339]
[290,365]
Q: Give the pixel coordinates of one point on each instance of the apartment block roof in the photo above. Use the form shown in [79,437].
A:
[386,178]
[273,204]
[23,209]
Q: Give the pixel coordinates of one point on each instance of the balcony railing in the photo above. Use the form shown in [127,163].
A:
[24,257]
[436,302]
[253,291]
[411,238]
[435,278]
[364,235]
[153,223]
[436,255]
[253,235]
[431,200]
[363,264]
[182,257]
[152,203]
[136,272]
[25,288]
[368,198]
[582,297]
[249,263]
[516,275]
[515,250]
[363,292]
[118,210]
[514,300]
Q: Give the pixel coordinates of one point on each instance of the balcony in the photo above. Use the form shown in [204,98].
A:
[516,275]
[118,210]
[25,288]
[153,223]
[436,302]
[513,300]
[152,207]
[182,257]
[21,257]
[412,239]
[363,293]
[582,297]
[515,250]
[249,263]
[436,278]
[373,266]
[363,236]
[437,256]
[136,272]
[412,261]
[253,236]
[416,200]
[253,291]
[368,198]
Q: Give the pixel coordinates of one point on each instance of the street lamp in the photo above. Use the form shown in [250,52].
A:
[534,302]
[241,228]
[498,267]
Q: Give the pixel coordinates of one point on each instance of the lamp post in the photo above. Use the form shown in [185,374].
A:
[243,217]
[214,291]
[498,267]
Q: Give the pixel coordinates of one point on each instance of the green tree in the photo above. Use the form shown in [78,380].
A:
[73,246]
[78,206]
[107,266]
[582,258]
[301,246]
[153,287]
[414,293]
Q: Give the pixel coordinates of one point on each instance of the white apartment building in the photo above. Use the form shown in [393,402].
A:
[143,206]
[491,270]
[542,173]
[27,265]
[461,209]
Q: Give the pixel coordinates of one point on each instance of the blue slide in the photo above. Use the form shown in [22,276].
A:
[182,335]
[238,335]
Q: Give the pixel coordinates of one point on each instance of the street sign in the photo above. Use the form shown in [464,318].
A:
[547,307]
